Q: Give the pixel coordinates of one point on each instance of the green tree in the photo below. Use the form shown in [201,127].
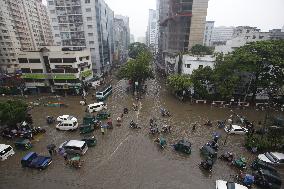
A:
[137,70]
[178,82]
[264,60]
[202,79]
[12,112]
[136,48]
[201,50]
[225,76]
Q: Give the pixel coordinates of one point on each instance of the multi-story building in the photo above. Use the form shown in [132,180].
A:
[241,36]
[152,29]
[126,22]
[221,34]
[120,40]
[53,69]
[208,33]
[80,24]
[182,23]
[24,25]
[276,34]
[132,38]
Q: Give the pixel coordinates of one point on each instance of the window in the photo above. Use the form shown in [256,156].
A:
[52,11]
[88,9]
[91,42]
[90,34]
[50,2]
[69,60]
[55,27]
[26,70]
[200,66]
[37,71]
[57,35]
[54,19]
[187,65]
[23,60]
[55,60]
[89,18]
[34,60]
[87,1]
[90,26]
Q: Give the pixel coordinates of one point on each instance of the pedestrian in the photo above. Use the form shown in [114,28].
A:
[65,156]
[121,116]
[194,126]
[50,152]
[102,130]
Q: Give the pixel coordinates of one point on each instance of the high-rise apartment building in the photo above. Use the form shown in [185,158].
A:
[209,26]
[80,24]
[182,24]
[126,22]
[152,29]
[121,41]
[24,25]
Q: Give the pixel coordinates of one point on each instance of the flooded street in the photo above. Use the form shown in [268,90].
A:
[127,158]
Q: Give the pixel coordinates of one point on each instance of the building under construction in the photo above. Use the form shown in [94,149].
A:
[181,24]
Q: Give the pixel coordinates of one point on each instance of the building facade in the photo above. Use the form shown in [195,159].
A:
[80,24]
[182,24]
[120,40]
[24,25]
[209,26]
[53,69]
[221,34]
[152,29]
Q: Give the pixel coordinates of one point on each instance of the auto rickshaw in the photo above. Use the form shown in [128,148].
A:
[75,162]
[183,146]
[102,116]
[86,129]
[90,141]
[161,142]
[89,119]
[240,163]
[23,144]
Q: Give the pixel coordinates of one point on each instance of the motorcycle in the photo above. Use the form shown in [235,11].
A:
[208,123]
[166,129]
[207,165]
[213,145]
[154,130]
[50,120]
[37,130]
[165,112]
[227,156]
[134,125]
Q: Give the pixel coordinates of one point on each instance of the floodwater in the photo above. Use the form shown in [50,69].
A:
[126,158]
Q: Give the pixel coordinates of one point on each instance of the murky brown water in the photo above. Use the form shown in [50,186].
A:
[125,158]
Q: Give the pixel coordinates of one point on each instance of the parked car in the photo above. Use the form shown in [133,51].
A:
[74,147]
[221,184]
[33,160]
[235,129]
[65,118]
[67,125]
[267,179]
[5,151]
[274,158]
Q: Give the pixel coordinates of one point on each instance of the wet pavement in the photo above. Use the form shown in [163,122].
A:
[127,158]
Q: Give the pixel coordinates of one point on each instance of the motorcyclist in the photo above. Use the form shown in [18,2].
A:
[132,124]
[207,164]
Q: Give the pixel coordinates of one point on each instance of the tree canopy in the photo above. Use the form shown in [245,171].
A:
[201,50]
[136,48]
[12,112]
[178,82]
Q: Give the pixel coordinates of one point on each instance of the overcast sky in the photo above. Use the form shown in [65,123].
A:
[263,14]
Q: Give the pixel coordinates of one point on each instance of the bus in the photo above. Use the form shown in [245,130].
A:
[101,96]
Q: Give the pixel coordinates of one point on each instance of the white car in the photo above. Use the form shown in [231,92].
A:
[96,107]
[221,184]
[67,125]
[274,158]
[236,129]
[5,151]
[65,118]
[74,147]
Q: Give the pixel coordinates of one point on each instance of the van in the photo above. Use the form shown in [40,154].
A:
[96,107]
[101,96]
[74,147]
[67,125]
[5,151]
